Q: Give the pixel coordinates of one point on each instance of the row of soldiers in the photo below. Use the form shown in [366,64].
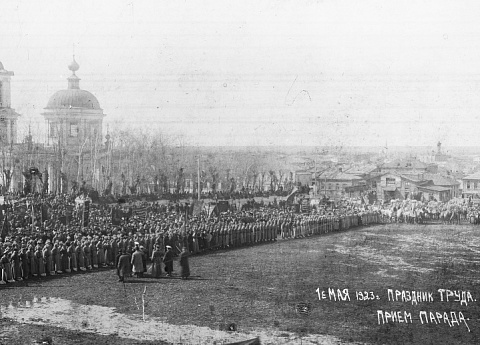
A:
[69,251]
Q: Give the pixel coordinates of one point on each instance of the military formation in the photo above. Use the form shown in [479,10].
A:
[52,248]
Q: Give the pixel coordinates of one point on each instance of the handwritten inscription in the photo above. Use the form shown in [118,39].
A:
[345,295]
[450,318]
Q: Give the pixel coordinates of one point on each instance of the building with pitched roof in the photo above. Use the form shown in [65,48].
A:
[471,185]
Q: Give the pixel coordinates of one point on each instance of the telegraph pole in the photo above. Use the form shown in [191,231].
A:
[198,178]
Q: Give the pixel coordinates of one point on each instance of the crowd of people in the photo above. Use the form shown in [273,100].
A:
[60,240]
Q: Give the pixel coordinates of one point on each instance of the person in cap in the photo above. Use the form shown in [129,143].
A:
[15,263]
[156,262]
[137,262]
[24,262]
[144,258]
[124,268]
[64,259]
[168,261]
[6,267]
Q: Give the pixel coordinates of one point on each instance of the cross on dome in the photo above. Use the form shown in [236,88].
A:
[74,66]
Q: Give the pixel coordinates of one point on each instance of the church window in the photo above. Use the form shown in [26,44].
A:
[3,130]
[53,130]
[74,129]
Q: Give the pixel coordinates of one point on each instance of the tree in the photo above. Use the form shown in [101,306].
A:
[8,179]
[281,174]
[214,175]
[273,180]
[263,174]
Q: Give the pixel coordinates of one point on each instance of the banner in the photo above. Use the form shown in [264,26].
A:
[45,212]
[117,216]
[197,207]
[86,212]
[291,195]
[141,212]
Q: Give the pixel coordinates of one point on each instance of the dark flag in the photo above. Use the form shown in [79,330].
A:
[86,212]
[45,212]
[63,220]
[20,207]
[222,206]
[141,212]
[68,214]
[117,216]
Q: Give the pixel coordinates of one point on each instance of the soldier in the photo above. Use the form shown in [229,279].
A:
[64,260]
[15,263]
[6,267]
[40,260]
[93,253]
[24,262]
[86,255]
[57,264]
[100,253]
[47,258]
[32,260]
[168,261]
[72,256]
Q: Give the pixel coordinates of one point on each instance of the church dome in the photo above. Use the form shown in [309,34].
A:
[73,98]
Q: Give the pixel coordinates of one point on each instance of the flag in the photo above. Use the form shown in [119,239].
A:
[86,212]
[117,216]
[45,212]
[197,207]
[291,195]
[141,212]
[21,208]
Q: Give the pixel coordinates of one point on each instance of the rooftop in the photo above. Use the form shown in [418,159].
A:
[475,176]
[434,188]
[405,164]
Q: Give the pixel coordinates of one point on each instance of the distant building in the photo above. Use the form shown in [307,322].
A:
[435,193]
[452,185]
[471,185]
[393,185]
[303,177]
[8,116]
[403,166]
[340,184]
[75,142]
[73,115]
[439,156]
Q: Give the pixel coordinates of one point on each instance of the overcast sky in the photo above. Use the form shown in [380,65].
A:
[257,72]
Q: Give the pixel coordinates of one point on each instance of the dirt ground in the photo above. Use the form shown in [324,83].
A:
[271,291]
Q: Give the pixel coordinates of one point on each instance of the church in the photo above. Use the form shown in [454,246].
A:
[75,153]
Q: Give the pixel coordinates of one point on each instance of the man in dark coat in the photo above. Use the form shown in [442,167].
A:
[185,268]
[124,268]
[168,261]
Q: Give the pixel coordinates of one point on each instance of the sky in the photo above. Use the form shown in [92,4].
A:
[266,73]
